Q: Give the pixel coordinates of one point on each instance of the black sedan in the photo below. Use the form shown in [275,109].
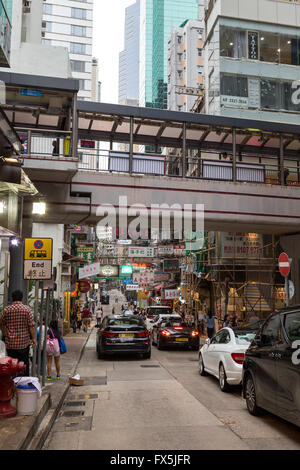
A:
[174,333]
[123,334]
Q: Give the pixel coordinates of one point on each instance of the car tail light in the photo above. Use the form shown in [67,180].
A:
[238,357]
[178,328]
[106,334]
[143,334]
[165,333]
[195,333]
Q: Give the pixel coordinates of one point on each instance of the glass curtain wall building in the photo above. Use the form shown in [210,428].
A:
[158,19]
[129,57]
[5,40]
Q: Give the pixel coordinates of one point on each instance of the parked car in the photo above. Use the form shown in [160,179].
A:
[223,355]
[271,370]
[171,331]
[123,334]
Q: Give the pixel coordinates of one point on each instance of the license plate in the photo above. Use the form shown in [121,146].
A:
[182,339]
[126,335]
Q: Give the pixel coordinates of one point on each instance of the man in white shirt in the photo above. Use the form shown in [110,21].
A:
[98,315]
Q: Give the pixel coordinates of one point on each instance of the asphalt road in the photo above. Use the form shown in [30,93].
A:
[160,404]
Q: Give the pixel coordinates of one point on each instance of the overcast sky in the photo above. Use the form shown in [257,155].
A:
[109,16]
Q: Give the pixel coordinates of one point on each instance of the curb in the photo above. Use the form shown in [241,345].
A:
[47,416]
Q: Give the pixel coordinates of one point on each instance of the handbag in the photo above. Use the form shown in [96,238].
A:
[52,346]
[62,346]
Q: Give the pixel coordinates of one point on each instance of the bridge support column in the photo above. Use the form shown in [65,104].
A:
[281,161]
[184,168]
[131,146]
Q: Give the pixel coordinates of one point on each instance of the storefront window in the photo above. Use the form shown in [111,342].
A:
[269,47]
[232,43]
[270,94]
[234,86]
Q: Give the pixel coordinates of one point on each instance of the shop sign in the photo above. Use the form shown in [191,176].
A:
[85,252]
[253,45]
[172,294]
[241,245]
[84,286]
[89,270]
[171,265]
[165,250]
[141,252]
[132,287]
[144,278]
[38,258]
[109,271]
[235,101]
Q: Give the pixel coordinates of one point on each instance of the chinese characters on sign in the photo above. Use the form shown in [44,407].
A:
[241,245]
[38,258]
[172,294]
[141,252]
[144,278]
[88,271]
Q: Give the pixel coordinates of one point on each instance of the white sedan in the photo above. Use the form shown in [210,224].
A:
[224,354]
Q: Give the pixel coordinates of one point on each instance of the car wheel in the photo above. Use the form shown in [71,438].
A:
[147,355]
[100,354]
[250,395]
[223,379]
[159,345]
[201,366]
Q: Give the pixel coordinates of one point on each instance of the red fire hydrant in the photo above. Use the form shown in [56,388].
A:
[8,368]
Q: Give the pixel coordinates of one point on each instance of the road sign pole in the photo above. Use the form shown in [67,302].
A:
[287,287]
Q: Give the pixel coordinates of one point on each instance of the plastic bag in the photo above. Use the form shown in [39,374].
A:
[29,380]
[2,349]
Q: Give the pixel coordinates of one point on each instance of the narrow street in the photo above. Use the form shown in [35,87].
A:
[163,403]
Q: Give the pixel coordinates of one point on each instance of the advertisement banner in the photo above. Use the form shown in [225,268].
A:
[241,245]
[108,271]
[172,294]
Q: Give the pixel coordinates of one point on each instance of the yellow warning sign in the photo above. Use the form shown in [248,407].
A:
[38,249]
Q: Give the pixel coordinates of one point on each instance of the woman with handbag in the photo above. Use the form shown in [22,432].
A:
[53,349]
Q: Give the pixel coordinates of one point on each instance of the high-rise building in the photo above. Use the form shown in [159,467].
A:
[252,59]
[5,24]
[185,66]
[70,23]
[157,20]
[129,57]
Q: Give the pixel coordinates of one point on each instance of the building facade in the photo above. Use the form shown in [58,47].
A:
[157,20]
[70,24]
[129,57]
[185,66]
[252,58]
[5,24]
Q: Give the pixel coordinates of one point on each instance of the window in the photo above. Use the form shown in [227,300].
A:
[47,9]
[77,65]
[221,338]
[78,30]
[269,47]
[270,95]
[82,84]
[78,13]
[270,333]
[46,42]
[48,26]
[234,86]
[292,326]
[232,43]
[77,48]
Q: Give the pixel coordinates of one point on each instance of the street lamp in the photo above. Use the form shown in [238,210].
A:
[39,208]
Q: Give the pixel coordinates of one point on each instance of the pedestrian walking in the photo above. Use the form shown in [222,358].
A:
[79,318]
[86,315]
[17,325]
[98,316]
[54,336]
[73,321]
[210,324]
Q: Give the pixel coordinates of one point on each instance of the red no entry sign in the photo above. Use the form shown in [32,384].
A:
[284,264]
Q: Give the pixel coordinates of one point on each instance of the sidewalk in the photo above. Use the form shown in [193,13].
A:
[29,432]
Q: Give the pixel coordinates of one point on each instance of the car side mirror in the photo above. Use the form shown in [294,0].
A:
[207,341]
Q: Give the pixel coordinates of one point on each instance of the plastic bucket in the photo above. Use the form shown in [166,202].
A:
[27,396]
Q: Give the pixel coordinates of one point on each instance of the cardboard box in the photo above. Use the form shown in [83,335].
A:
[76,382]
